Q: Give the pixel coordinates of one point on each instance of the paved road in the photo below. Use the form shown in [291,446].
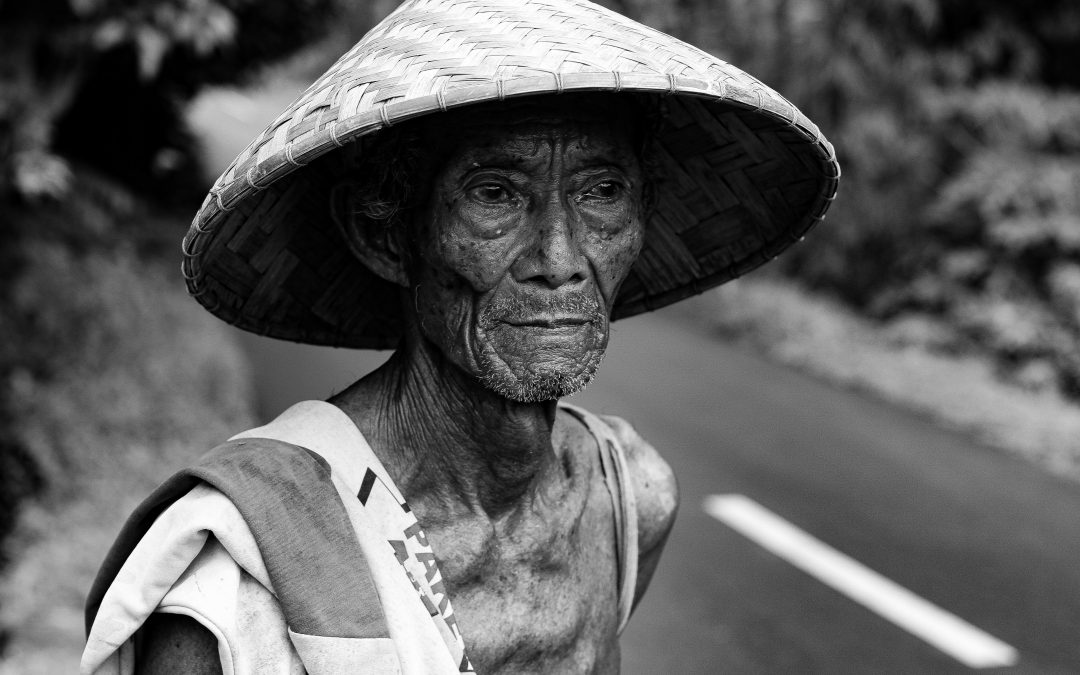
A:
[976,532]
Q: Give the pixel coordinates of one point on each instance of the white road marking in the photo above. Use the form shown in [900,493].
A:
[947,632]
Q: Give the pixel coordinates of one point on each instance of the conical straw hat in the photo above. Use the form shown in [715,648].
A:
[744,173]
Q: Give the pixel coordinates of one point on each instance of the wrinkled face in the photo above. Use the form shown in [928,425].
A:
[531,224]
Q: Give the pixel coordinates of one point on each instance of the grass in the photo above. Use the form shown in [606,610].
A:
[819,336]
[143,380]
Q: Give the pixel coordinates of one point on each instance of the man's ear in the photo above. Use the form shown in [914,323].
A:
[380,248]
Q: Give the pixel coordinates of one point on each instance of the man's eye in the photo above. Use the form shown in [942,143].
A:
[491,193]
[603,190]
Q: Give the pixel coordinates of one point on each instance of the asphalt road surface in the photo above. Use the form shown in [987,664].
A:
[971,531]
[977,533]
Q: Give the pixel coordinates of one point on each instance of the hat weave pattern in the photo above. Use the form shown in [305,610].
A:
[744,172]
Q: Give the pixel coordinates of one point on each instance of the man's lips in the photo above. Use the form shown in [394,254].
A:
[548,321]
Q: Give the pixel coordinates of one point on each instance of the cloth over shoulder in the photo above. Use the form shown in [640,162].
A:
[303,529]
[292,546]
[617,477]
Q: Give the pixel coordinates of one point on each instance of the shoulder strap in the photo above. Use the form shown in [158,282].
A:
[371,497]
[288,501]
[617,477]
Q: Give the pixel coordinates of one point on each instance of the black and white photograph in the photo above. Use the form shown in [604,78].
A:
[539,336]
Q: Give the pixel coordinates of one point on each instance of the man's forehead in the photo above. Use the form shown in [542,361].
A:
[530,127]
[540,136]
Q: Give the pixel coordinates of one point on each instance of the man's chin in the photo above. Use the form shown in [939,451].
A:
[536,385]
[554,367]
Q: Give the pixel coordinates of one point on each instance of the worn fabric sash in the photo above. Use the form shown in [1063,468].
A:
[303,522]
[305,508]
[380,513]
[613,463]
[304,535]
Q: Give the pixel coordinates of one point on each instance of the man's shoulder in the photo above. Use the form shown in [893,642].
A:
[651,477]
[655,487]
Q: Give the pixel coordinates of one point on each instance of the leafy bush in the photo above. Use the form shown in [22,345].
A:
[957,125]
[103,81]
[108,374]
[1015,194]
[119,380]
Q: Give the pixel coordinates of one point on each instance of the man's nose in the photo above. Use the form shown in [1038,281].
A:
[555,258]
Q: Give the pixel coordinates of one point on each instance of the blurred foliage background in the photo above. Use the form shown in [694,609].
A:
[957,124]
[109,377]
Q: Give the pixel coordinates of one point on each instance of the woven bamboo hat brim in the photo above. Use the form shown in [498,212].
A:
[744,173]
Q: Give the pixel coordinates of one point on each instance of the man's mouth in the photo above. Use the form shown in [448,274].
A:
[547,321]
[562,316]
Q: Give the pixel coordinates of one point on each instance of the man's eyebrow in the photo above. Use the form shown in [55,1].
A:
[606,163]
[467,167]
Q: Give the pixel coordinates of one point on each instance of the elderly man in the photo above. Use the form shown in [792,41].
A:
[481,185]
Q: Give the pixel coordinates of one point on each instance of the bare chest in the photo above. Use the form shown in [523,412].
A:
[542,599]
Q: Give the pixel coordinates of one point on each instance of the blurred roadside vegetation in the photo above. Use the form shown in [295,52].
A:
[110,377]
[957,125]
[957,228]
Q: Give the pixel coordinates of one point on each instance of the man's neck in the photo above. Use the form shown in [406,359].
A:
[443,436]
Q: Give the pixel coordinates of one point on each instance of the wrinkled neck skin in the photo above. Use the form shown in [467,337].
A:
[446,439]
